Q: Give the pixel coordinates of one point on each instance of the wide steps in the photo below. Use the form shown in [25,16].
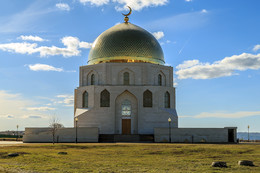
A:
[125,138]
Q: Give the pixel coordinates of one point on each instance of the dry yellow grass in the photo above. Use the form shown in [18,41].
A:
[128,157]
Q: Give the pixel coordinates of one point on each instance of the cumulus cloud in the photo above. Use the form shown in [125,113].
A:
[158,35]
[226,67]
[21,48]
[256,47]
[44,67]
[63,6]
[226,115]
[72,48]
[40,108]
[122,4]
[31,38]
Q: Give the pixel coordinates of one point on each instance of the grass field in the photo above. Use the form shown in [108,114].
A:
[128,157]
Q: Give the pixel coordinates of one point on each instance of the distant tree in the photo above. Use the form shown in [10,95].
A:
[54,125]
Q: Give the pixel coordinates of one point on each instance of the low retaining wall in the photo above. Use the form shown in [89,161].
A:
[196,135]
[84,134]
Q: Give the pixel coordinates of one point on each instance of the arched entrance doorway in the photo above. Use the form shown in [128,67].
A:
[126,111]
[126,114]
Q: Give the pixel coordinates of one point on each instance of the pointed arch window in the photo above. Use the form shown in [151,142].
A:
[167,100]
[126,108]
[148,99]
[126,78]
[85,100]
[92,81]
[160,80]
[104,99]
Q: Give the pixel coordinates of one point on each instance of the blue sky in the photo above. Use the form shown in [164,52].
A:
[213,46]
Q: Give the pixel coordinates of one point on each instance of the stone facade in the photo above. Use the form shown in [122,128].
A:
[110,77]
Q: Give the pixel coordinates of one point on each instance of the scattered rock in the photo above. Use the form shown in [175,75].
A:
[203,140]
[63,153]
[246,163]
[219,164]
[13,154]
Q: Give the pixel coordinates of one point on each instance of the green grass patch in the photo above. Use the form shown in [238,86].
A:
[126,157]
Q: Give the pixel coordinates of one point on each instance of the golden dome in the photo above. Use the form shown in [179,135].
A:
[126,42]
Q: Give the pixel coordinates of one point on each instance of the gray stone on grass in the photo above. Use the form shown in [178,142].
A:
[13,154]
[246,163]
[219,164]
[63,153]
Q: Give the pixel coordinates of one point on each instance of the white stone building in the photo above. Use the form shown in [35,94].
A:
[126,93]
[125,88]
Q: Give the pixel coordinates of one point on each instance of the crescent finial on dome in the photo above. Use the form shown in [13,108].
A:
[128,14]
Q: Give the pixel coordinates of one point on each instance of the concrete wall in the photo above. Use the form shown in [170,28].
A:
[85,134]
[196,135]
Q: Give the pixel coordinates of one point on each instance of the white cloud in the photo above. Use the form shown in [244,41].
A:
[94,2]
[40,108]
[158,35]
[44,67]
[63,6]
[226,115]
[122,4]
[187,64]
[256,47]
[139,4]
[67,100]
[204,11]
[225,67]
[13,106]
[188,0]
[16,109]
[85,45]
[21,48]
[72,48]
[31,38]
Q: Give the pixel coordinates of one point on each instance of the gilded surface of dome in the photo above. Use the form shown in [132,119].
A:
[126,42]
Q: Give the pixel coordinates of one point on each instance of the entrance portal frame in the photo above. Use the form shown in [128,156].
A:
[133,117]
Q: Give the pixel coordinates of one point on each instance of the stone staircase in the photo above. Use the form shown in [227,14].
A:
[125,138]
